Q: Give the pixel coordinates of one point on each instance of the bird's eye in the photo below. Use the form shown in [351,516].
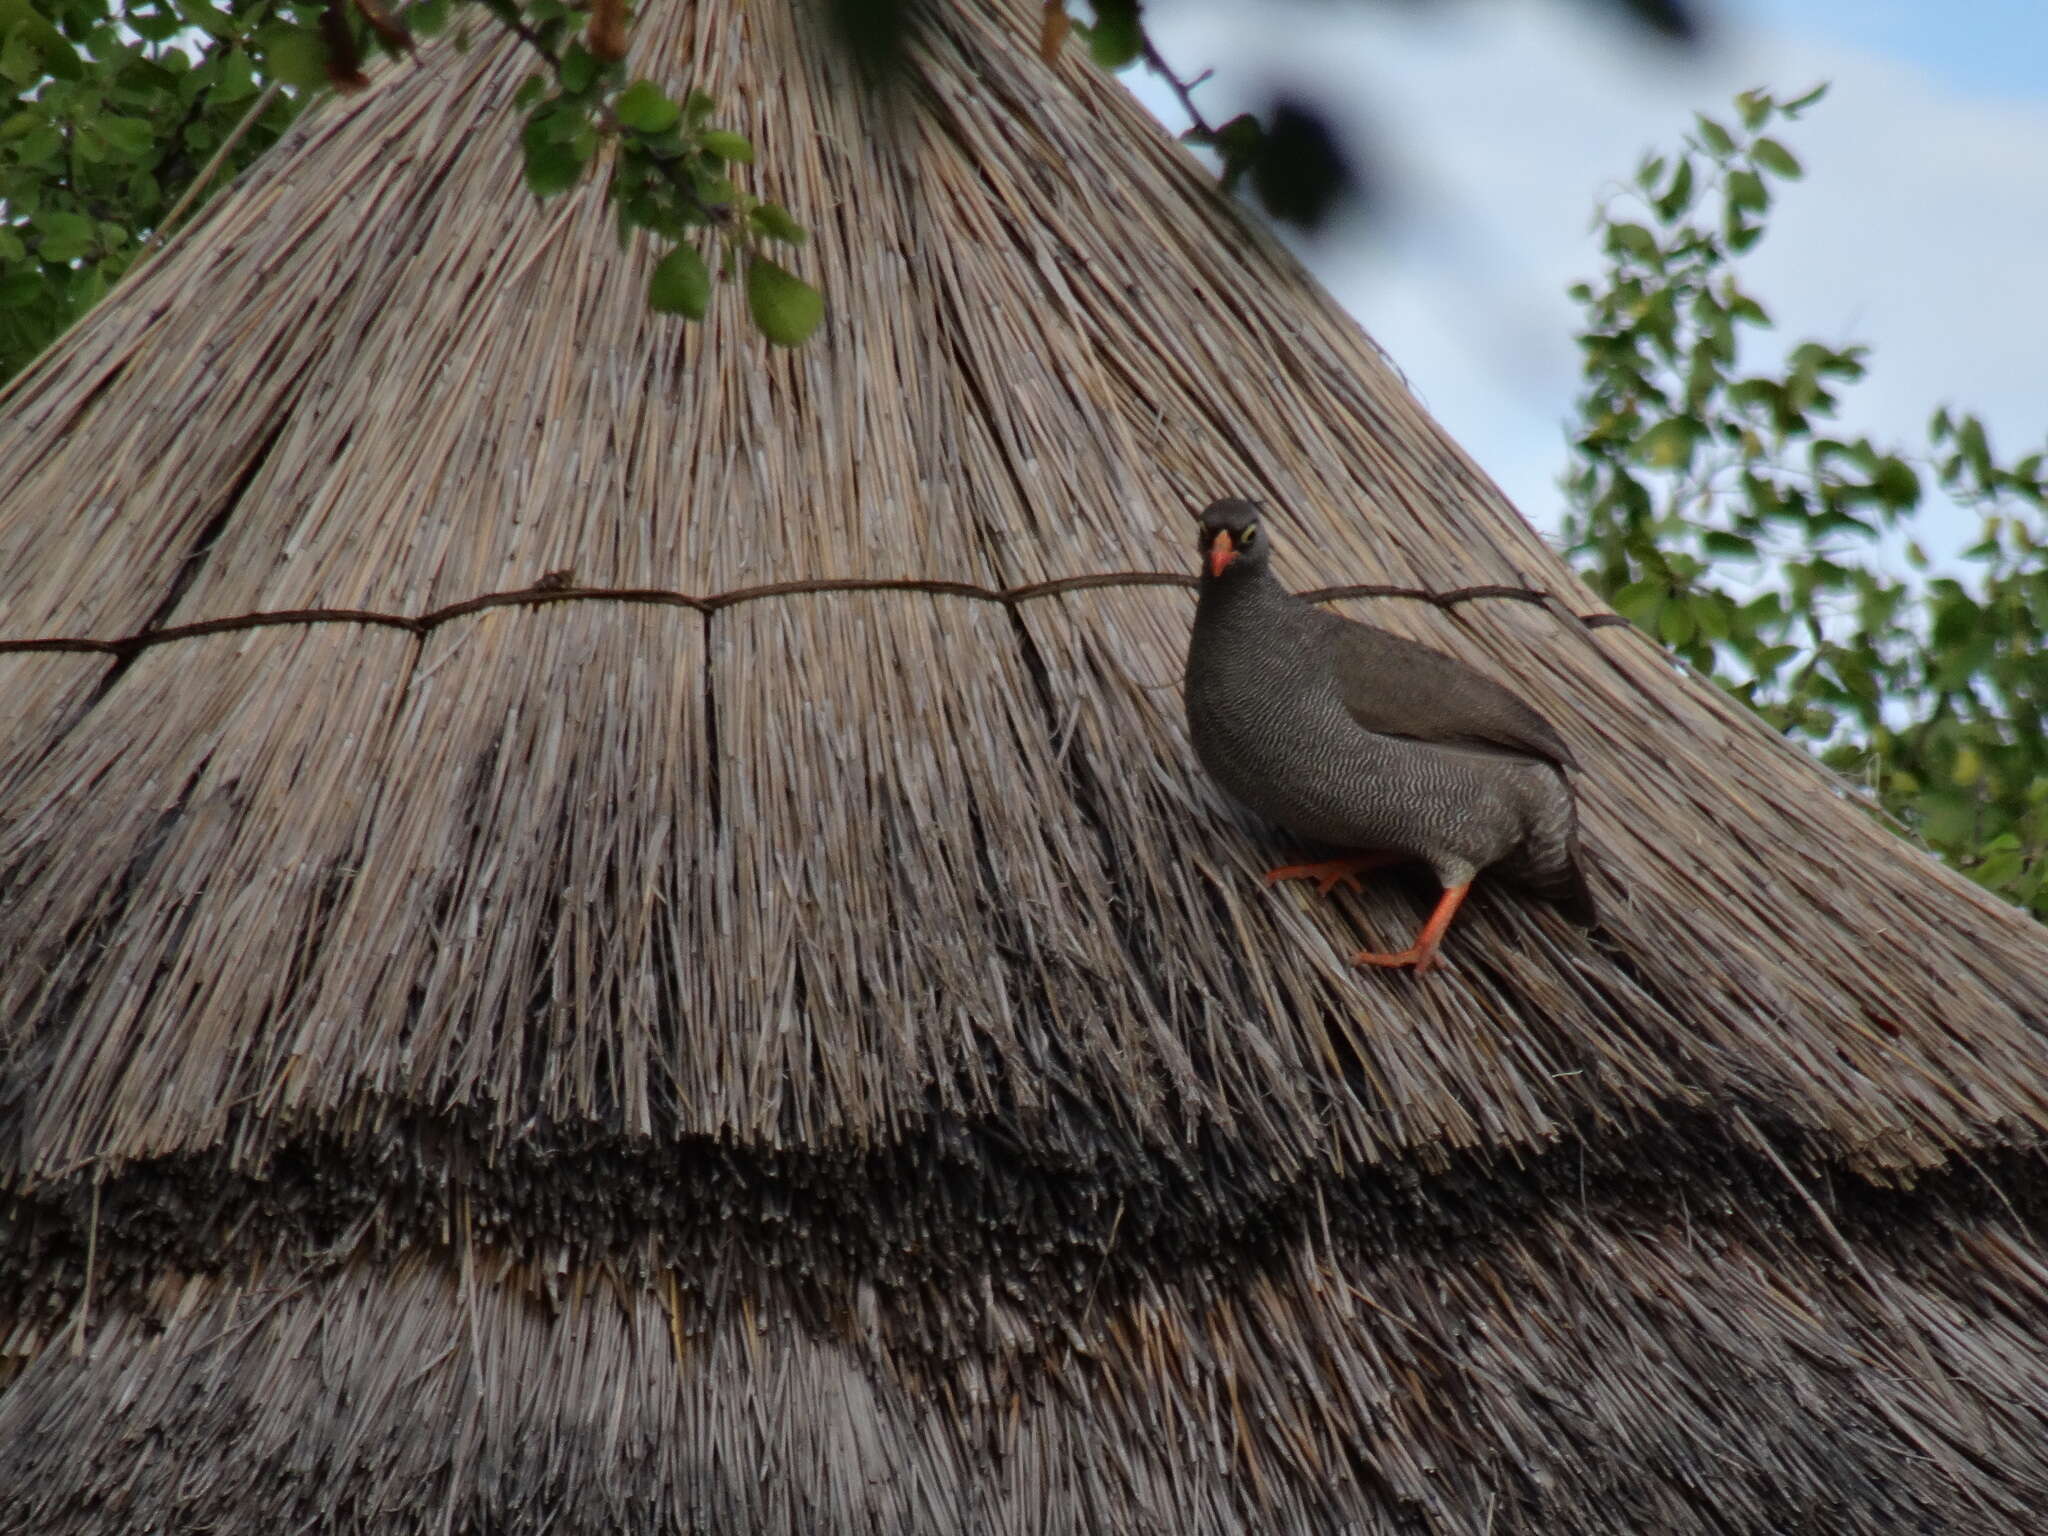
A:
[1244,539]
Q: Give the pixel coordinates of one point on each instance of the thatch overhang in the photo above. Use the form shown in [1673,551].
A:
[634,1050]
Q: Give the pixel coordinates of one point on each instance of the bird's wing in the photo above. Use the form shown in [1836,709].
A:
[1398,688]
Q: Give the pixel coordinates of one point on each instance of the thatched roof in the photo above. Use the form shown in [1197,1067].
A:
[631,1056]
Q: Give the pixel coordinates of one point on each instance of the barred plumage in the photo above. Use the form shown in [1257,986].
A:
[1347,735]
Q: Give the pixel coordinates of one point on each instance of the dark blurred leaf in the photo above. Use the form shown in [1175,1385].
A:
[1301,172]
[1239,142]
[342,57]
[1672,19]
[1897,483]
[875,35]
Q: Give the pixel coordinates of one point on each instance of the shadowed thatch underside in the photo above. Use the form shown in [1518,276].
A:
[825,1062]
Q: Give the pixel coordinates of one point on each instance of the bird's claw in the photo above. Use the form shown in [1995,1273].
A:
[1325,883]
[1328,874]
[1422,960]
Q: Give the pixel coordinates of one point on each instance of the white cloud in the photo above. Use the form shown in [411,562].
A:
[1918,229]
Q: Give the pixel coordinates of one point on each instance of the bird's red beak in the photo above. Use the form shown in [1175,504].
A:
[1222,550]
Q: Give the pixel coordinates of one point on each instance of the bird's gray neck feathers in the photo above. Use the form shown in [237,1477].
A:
[1250,600]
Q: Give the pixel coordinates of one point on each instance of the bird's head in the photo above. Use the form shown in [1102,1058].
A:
[1230,537]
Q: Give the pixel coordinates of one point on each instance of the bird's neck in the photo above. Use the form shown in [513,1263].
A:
[1243,589]
[1239,601]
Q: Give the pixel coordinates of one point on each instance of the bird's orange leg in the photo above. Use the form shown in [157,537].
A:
[1331,873]
[1422,953]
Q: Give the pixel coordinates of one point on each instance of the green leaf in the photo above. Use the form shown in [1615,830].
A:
[426,18]
[785,307]
[1746,192]
[773,221]
[1678,196]
[294,55]
[1632,240]
[1669,444]
[1975,446]
[129,137]
[1897,484]
[1955,620]
[1855,675]
[1715,137]
[1117,38]
[44,49]
[1714,615]
[551,167]
[1999,870]
[1766,662]
[1776,158]
[62,237]
[727,146]
[1639,601]
[22,290]
[1675,624]
[1728,546]
[152,27]
[237,78]
[578,70]
[206,16]
[681,284]
[645,108]
[556,121]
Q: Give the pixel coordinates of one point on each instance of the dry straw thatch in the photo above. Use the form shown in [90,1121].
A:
[822,1062]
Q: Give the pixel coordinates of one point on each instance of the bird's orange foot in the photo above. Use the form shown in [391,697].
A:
[1331,873]
[1421,959]
[1422,953]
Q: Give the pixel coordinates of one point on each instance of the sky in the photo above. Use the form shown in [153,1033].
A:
[1920,228]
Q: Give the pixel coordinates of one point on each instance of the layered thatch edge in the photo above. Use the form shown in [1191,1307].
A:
[1861,1373]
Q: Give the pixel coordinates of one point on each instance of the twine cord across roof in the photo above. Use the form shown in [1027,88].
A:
[560,591]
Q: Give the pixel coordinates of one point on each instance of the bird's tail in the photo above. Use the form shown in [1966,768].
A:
[1574,893]
[1570,888]
[1555,865]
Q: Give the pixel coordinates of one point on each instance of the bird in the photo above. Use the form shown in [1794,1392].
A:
[1352,737]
